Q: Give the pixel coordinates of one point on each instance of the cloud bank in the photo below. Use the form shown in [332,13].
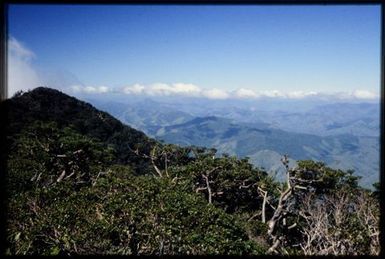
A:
[21,73]
[191,90]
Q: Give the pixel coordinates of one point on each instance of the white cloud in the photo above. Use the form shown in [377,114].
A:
[215,93]
[300,94]
[173,89]
[76,88]
[21,73]
[162,89]
[356,94]
[272,93]
[90,89]
[191,90]
[103,89]
[135,89]
[246,93]
[364,94]
[159,89]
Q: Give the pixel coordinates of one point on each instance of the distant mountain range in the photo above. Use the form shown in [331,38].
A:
[344,135]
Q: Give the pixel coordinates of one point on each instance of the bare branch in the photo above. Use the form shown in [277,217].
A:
[208,187]
[200,189]
[153,162]
[263,204]
[61,176]
[292,226]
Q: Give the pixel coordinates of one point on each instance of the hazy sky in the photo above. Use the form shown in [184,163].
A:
[211,51]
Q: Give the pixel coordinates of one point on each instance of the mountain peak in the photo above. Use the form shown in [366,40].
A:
[49,105]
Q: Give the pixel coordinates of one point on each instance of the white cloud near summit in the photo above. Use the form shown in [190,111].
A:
[90,89]
[21,73]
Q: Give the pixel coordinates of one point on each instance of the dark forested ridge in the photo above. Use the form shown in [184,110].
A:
[49,105]
[80,182]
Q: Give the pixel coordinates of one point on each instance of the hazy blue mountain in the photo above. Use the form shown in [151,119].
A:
[360,119]
[302,116]
[265,146]
[344,135]
[144,115]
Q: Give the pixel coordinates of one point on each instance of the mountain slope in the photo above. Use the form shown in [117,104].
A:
[49,105]
[144,115]
[65,196]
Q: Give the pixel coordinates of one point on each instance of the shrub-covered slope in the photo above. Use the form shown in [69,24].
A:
[49,105]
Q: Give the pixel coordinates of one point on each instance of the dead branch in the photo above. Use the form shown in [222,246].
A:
[152,157]
[263,204]
[94,182]
[200,189]
[165,164]
[208,187]
[61,176]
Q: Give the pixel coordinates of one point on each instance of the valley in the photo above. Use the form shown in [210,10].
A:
[344,135]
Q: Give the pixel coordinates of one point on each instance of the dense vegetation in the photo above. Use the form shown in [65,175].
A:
[80,182]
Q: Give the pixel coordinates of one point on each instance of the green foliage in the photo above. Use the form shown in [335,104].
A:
[233,182]
[123,214]
[42,154]
[377,189]
[325,178]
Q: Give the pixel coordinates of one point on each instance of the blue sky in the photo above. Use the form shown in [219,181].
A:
[214,51]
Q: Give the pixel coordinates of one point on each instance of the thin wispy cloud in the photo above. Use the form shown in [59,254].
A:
[16,48]
[21,73]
